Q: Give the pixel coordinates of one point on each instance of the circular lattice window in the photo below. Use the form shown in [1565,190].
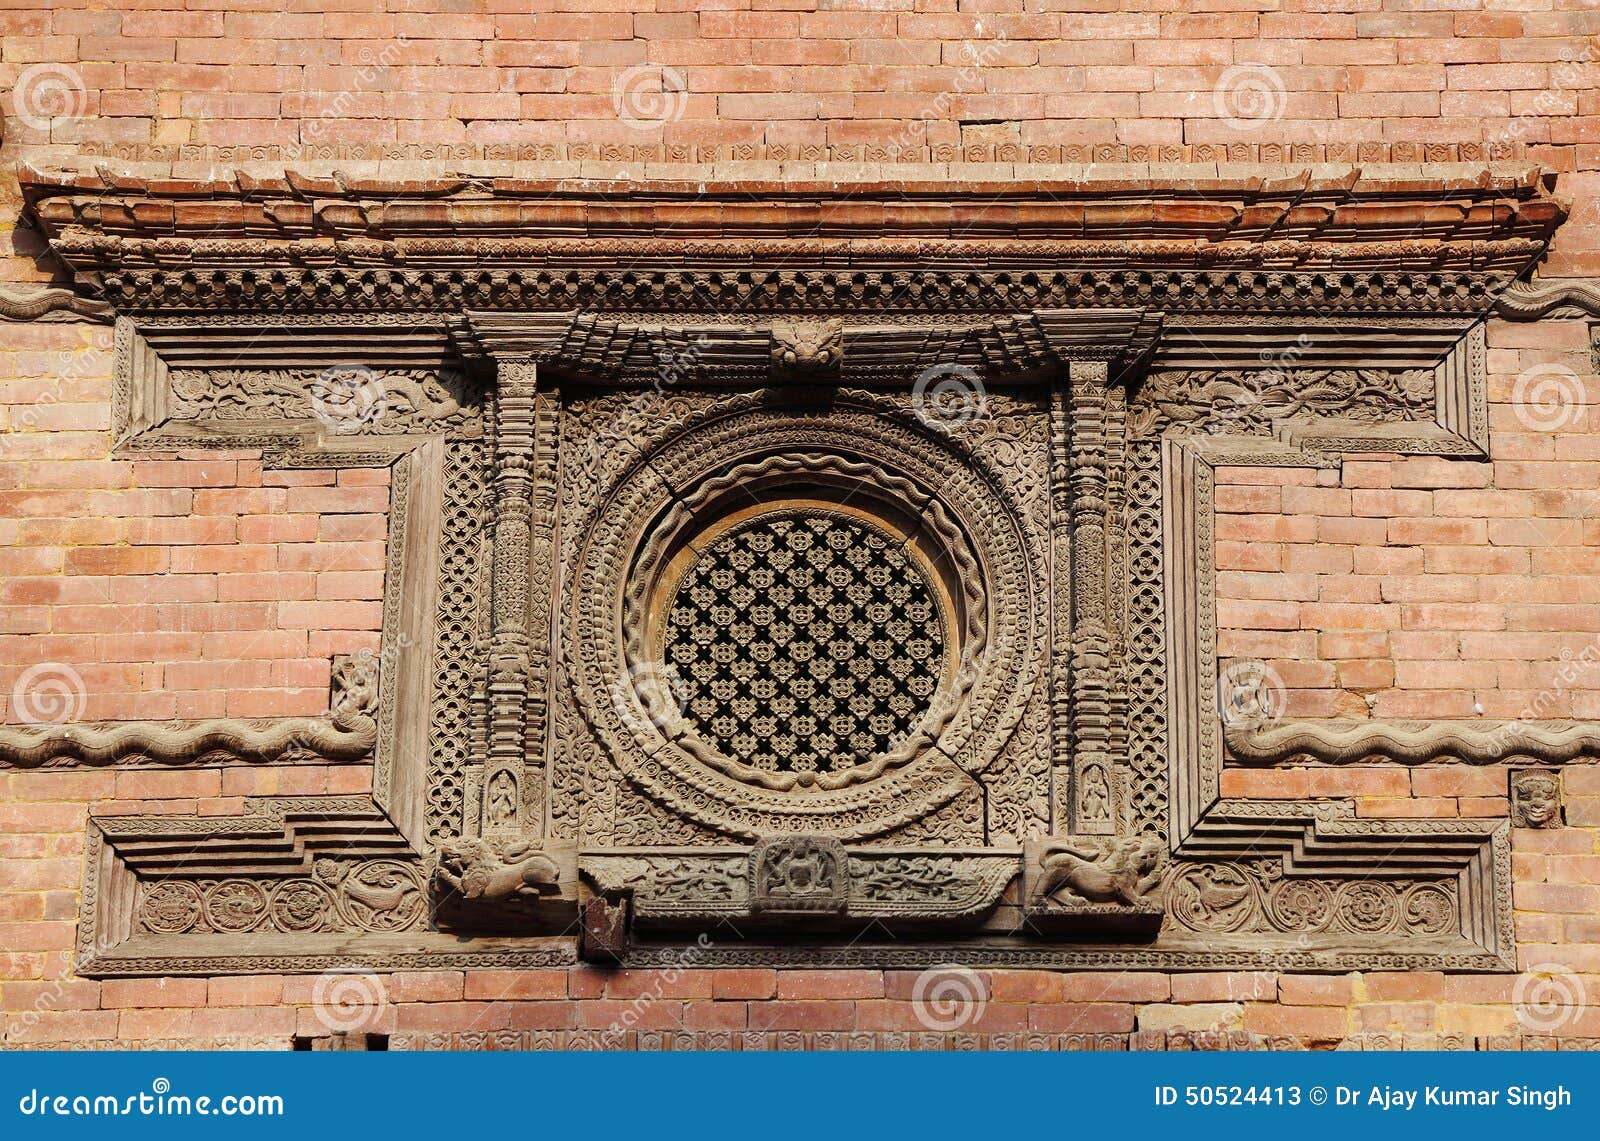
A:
[804,641]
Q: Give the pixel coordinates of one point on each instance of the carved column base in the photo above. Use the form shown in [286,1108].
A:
[505,884]
[1093,885]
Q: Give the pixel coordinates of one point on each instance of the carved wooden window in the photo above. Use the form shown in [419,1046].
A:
[596,702]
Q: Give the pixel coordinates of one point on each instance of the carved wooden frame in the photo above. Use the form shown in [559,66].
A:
[1130,615]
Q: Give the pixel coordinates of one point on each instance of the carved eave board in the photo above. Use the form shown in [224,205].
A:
[827,568]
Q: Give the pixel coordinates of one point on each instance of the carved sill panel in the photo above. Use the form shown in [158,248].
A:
[572,444]
[801,883]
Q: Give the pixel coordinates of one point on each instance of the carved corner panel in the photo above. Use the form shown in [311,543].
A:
[802,606]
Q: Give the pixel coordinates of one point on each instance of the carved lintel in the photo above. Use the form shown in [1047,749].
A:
[1093,885]
[809,882]
[1536,798]
[505,883]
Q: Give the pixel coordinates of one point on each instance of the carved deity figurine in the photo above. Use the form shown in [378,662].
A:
[496,870]
[502,798]
[1125,872]
[1535,799]
[355,689]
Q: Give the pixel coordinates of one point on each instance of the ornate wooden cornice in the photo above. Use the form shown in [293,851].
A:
[134,240]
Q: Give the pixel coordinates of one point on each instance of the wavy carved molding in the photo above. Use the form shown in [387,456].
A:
[1416,742]
[1532,300]
[51,304]
[347,732]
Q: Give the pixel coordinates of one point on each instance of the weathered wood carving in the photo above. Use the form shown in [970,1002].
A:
[788,580]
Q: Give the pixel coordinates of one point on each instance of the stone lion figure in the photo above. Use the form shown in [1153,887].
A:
[496,870]
[1125,872]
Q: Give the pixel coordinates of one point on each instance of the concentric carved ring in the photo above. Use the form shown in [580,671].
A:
[938,524]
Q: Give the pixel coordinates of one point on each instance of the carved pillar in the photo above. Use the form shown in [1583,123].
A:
[510,635]
[1086,802]
[542,556]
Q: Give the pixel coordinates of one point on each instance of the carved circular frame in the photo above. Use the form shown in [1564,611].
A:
[859,450]
[833,486]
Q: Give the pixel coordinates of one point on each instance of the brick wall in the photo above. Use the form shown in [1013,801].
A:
[204,585]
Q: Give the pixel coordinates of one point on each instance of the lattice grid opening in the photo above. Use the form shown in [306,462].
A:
[805,642]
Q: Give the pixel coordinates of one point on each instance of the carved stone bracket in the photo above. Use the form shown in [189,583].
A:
[1094,885]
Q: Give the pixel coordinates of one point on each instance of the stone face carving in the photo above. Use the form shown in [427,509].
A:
[800,348]
[799,873]
[1535,798]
